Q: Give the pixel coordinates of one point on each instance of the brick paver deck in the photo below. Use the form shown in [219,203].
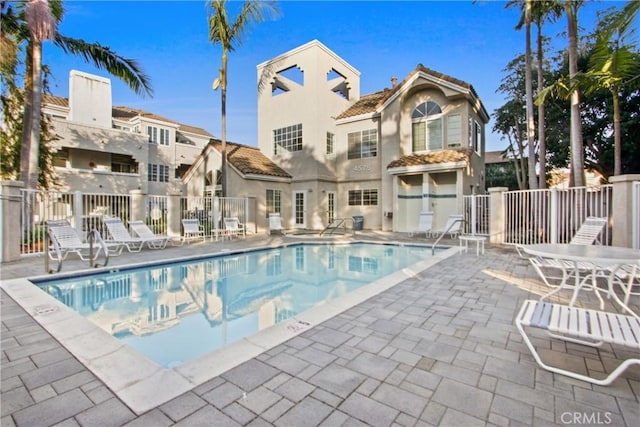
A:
[438,349]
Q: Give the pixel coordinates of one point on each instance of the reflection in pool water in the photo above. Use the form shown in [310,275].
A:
[179,311]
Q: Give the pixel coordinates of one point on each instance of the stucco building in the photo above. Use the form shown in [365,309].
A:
[103,148]
[326,152]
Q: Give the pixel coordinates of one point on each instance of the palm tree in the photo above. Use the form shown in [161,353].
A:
[526,19]
[576,178]
[542,11]
[228,34]
[614,62]
[42,26]
[16,32]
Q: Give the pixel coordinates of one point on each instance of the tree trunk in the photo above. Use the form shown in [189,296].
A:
[577,151]
[34,139]
[223,130]
[617,140]
[533,179]
[26,117]
[542,143]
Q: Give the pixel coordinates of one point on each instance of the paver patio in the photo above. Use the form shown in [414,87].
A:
[439,348]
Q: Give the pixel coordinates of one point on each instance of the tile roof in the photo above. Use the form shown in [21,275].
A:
[55,100]
[127,114]
[249,160]
[370,103]
[366,104]
[420,159]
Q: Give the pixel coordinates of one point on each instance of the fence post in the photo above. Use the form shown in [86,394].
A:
[474,211]
[173,214]
[553,213]
[10,229]
[497,220]
[622,209]
[138,208]
[216,214]
[78,212]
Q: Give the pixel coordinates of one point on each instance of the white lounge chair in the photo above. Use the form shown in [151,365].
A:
[275,223]
[118,233]
[66,240]
[233,227]
[191,229]
[424,225]
[453,227]
[581,326]
[143,231]
[587,234]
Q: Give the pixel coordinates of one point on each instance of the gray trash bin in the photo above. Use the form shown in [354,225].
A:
[358,222]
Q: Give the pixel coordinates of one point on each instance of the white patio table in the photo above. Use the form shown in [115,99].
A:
[604,262]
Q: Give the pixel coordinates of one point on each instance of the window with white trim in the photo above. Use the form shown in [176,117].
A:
[362,144]
[330,139]
[153,132]
[478,141]
[363,197]
[273,201]
[287,138]
[454,130]
[426,127]
[158,173]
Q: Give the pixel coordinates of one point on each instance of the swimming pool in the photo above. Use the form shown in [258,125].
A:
[143,384]
[176,312]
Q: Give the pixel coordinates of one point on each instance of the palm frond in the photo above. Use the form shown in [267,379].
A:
[104,58]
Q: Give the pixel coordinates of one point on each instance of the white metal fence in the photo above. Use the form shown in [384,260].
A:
[553,216]
[635,214]
[476,214]
[86,211]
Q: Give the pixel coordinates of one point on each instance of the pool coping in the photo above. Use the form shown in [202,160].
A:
[143,384]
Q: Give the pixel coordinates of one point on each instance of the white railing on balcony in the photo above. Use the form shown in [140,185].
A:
[476,214]
[553,216]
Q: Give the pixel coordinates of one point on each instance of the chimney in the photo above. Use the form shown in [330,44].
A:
[394,82]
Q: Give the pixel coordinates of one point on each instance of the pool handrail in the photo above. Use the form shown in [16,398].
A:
[454,222]
[337,223]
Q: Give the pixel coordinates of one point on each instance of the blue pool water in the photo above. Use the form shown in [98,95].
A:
[178,311]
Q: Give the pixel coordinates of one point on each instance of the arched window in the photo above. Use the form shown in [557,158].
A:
[426,121]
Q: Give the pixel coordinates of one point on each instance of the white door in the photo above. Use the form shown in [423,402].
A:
[299,209]
[332,209]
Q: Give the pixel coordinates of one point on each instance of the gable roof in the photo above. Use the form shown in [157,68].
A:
[436,157]
[245,159]
[373,103]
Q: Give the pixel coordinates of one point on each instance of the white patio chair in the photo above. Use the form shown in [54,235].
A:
[66,239]
[141,230]
[587,234]
[453,227]
[233,227]
[191,229]
[119,233]
[424,225]
[581,326]
[275,223]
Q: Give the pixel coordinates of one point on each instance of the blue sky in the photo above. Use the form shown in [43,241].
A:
[381,39]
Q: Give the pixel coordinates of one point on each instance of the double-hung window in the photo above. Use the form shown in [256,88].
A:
[362,144]
[426,121]
[158,173]
[274,201]
[158,135]
[330,138]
